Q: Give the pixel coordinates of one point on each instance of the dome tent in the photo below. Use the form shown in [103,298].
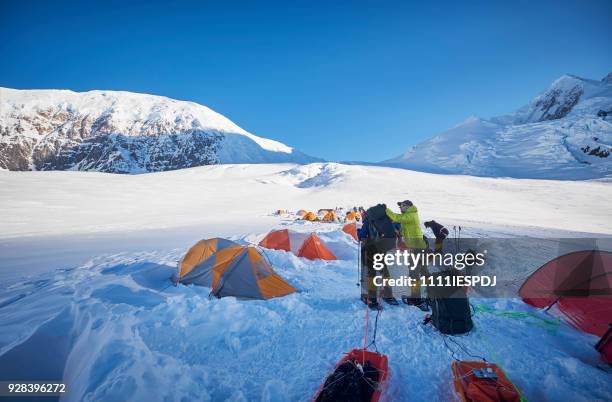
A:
[350,229]
[231,269]
[580,284]
[307,245]
[353,216]
[310,216]
[329,216]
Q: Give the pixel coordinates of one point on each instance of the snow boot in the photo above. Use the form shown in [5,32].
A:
[391,300]
[423,305]
[411,301]
[371,302]
[418,302]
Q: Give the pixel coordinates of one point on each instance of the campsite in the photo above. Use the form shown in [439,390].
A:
[305,201]
[120,297]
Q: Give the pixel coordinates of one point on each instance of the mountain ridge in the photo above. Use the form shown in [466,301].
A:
[563,133]
[123,132]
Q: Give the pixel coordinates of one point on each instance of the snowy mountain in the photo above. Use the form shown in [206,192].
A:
[123,132]
[564,133]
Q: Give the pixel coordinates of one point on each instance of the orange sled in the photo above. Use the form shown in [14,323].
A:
[377,360]
[483,382]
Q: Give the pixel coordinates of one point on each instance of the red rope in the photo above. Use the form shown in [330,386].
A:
[365,338]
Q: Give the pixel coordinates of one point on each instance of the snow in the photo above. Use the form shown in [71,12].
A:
[130,110]
[46,203]
[94,253]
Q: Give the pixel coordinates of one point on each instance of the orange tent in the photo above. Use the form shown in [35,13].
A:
[310,216]
[351,229]
[230,269]
[353,216]
[307,245]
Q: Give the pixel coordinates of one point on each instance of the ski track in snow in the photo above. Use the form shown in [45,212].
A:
[112,327]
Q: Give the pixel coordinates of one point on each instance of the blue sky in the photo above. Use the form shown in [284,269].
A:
[340,80]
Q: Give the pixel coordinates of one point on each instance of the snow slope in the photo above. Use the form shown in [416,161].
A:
[102,317]
[564,133]
[123,132]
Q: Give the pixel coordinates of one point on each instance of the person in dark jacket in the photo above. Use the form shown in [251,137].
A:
[369,295]
[439,231]
[362,232]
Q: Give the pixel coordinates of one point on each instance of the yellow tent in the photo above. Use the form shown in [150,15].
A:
[310,216]
[231,269]
[353,216]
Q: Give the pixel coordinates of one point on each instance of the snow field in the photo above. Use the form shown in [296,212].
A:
[133,337]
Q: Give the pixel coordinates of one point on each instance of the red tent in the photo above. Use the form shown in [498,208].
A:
[580,283]
[307,245]
[350,229]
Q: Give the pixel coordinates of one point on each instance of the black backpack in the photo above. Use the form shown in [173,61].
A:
[380,226]
[450,310]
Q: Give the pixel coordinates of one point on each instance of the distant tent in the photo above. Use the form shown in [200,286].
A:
[307,245]
[310,216]
[280,212]
[580,283]
[231,269]
[350,229]
[330,216]
[353,216]
[301,212]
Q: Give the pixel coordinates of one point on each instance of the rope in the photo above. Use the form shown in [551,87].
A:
[373,343]
[492,353]
[161,290]
[462,347]
[544,323]
[367,322]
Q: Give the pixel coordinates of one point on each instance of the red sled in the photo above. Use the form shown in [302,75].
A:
[379,361]
[604,346]
[483,382]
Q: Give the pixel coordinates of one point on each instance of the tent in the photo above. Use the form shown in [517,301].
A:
[310,216]
[307,245]
[280,212]
[350,229]
[301,212]
[330,216]
[580,284]
[231,269]
[353,216]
